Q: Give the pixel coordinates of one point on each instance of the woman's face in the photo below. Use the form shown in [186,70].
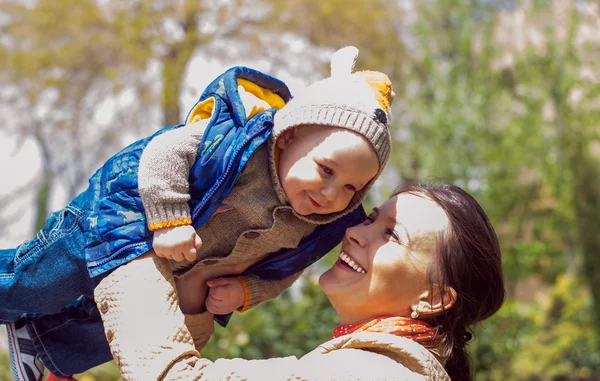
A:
[384,262]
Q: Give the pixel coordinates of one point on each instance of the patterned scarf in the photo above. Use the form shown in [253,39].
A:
[413,329]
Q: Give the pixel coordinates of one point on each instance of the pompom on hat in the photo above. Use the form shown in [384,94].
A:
[357,101]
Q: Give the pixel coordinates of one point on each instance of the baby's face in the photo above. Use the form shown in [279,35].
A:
[321,168]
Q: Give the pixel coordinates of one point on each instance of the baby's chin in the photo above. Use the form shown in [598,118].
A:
[300,209]
[305,209]
[314,213]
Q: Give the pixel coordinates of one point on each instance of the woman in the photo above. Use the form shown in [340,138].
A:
[410,282]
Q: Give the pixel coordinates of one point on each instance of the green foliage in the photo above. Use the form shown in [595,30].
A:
[372,26]
[499,339]
[561,345]
[544,340]
[5,367]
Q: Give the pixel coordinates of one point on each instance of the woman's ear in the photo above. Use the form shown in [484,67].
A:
[286,137]
[436,300]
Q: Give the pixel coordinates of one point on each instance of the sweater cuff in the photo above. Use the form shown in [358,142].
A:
[247,297]
[167,215]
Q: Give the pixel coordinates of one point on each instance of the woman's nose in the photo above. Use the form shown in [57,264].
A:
[355,234]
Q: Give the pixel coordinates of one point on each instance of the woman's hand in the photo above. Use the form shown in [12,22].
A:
[224,296]
[177,243]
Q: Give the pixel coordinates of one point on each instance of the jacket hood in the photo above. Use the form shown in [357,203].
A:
[227,87]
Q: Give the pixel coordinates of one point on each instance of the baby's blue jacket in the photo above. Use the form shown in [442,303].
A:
[115,224]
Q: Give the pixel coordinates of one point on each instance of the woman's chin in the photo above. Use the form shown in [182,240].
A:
[327,281]
[336,281]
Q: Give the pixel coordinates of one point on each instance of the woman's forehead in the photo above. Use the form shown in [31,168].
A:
[415,212]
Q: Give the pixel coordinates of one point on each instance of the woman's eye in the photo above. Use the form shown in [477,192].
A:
[327,170]
[392,234]
[350,187]
[369,220]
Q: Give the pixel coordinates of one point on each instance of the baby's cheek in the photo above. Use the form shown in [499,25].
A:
[340,206]
[345,201]
[298,166]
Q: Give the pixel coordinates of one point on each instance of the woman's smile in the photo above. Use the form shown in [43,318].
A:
[348,263]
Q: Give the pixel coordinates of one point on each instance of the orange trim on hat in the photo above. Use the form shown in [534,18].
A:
[381,85]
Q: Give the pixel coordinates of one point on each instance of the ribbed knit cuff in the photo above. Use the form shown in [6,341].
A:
[167,215]
[247,297]
[258,291]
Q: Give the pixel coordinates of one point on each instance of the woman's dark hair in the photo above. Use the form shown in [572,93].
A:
[469,261]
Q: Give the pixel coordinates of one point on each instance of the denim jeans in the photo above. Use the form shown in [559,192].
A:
[45,281]
[72,341]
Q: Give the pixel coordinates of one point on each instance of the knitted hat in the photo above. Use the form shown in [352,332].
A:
[357,101]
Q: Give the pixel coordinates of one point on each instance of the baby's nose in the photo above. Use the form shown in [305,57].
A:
[330,193]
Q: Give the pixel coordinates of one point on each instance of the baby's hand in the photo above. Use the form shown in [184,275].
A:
[177,243]
[224,296]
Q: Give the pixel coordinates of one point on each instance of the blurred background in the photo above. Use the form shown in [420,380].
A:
[501,97]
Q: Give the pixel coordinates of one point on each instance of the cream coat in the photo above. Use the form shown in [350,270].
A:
[150,340]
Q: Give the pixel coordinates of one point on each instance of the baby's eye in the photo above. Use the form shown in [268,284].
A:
[327,170]
[350,187]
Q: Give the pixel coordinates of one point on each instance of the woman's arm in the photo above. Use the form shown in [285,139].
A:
[142,321]
[146,330]
[149,339]
[339,365]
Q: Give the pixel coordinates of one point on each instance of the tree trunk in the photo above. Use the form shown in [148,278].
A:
[175,62]
[170,98]
[587,200]
[42,200]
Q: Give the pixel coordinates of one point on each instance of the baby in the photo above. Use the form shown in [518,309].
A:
[239,187]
